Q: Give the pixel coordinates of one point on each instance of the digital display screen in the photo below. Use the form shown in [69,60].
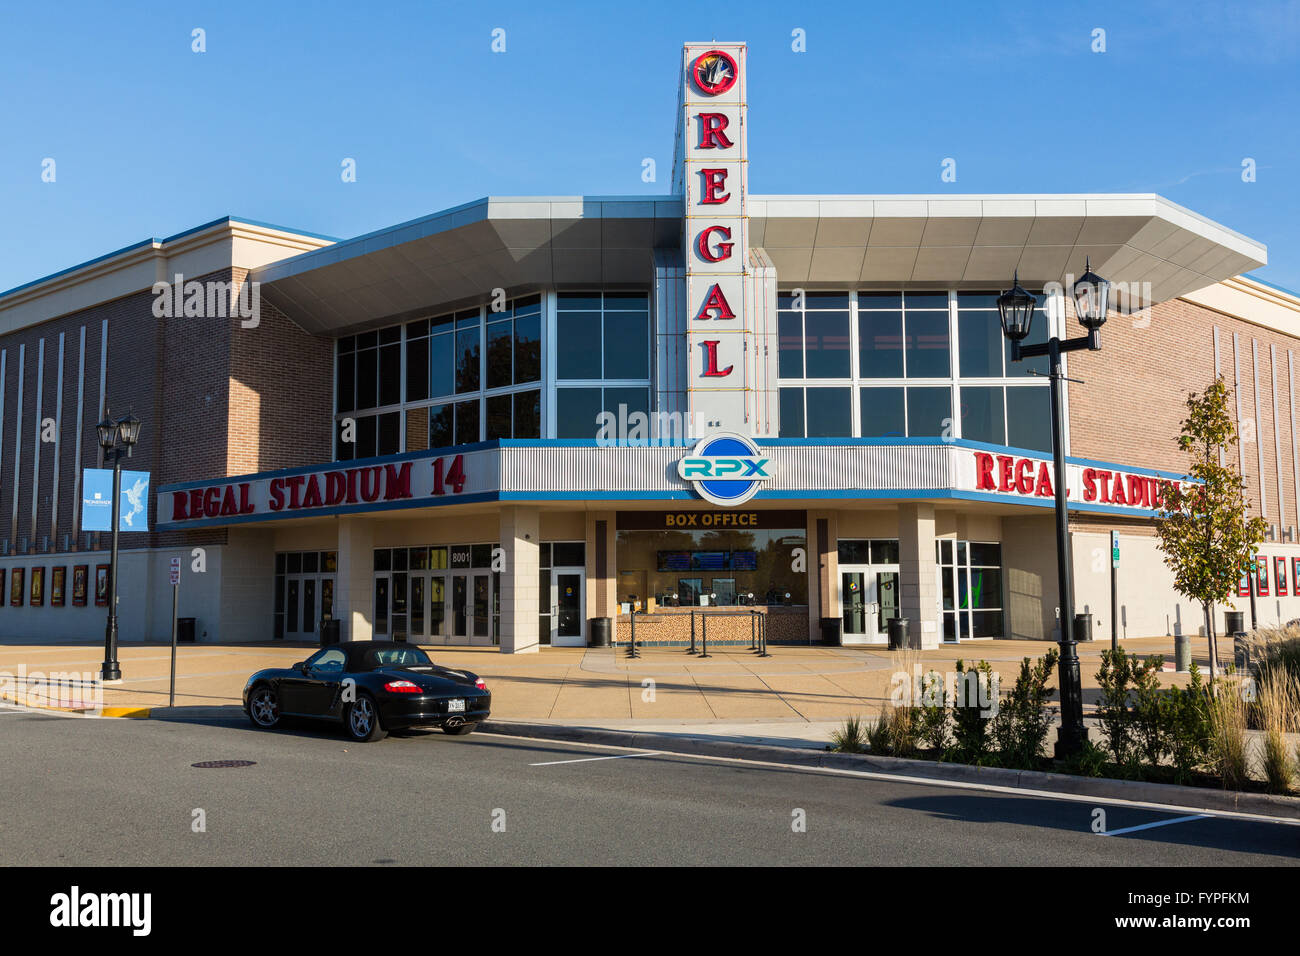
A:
[709,561]
[674,560]
[744,560]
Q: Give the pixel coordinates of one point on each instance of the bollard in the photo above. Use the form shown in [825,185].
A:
[1182,653]
[631,651]
[692,650]
[752,628]
[762,638]
[704,635]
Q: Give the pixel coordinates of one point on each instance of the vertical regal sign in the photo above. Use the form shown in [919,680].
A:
[716,236]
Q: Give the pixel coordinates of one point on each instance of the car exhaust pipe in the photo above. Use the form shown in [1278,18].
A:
[454,722]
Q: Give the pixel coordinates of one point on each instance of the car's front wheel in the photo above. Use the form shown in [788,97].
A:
[264,707]
[362,720]
[460,730]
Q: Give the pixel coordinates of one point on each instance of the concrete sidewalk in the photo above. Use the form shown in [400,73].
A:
[803,692]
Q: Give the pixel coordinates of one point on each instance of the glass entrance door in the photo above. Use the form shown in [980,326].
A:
[868,599]
[307,598]
[568,598]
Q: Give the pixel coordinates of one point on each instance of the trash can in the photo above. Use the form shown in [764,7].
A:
[1183,653]
[831,631]
[1082,628]
[329,631]
[185,629]
[1234,622]
[598,631]
[898,633]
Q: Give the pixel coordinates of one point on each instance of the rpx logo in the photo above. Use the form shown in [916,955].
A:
[726,469]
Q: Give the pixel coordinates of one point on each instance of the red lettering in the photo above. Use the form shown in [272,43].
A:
[984,471]
[715,180]
[723,248]
[715,301]
[711,131]
[179,500]
[1117,491]
[295,491]
[370,483]
[1137,489]
[312,499]
[397,481]
[352,486]
[245,505]
[196,503]
[277,494]
[336,487]
[1006,476]
[1025,476]
[711,361]
[1044,489]
[212,503]
[228,505]
[1089,484]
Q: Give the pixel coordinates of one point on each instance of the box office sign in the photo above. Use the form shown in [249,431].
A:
[331,489]
[738,519]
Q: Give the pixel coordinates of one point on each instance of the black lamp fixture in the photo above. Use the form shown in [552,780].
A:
[115,437]
[1091,302]
[1016,307]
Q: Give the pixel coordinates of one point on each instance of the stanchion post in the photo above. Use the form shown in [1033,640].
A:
[692,650]
[704,635]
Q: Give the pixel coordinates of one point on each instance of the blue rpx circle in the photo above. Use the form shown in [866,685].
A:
[727,490]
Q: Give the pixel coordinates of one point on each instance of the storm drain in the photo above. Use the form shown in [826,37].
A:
[222,764]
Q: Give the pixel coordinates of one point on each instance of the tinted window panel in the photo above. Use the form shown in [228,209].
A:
[578,348]
[578,301]
[500,340]
[826,300]
[980,351]
[827,338]
[981,415]
[528,414]
[498,416]
[882,413]
[346,382]
[441,427]
[1029,418]
[390,375]
[636,400]
[467,430]
[576,410]
[790,338]
[929,412]
[880,300]
[880,344]
[927,344]
[390,441]
[627,302]
[925,300]
[442,365]
[792,413]
[627,345]
[367,379]
[417,370]
[467,360]
[829,413]
[528,349]
[367,429]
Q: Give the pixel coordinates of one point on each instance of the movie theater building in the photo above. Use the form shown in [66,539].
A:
[503,423]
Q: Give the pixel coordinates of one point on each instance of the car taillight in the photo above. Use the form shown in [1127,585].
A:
[402,687]
[481,684]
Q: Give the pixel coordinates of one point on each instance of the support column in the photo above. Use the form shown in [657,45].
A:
[919,597]
[602,579]
[355,581]
[823,570]
[519,580]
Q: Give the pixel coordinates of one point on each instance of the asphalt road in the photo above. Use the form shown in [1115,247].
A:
[123,792]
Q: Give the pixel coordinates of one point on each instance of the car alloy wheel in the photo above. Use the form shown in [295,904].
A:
[363,719]
[264,708]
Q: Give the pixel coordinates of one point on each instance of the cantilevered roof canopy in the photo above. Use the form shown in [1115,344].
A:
[970,242]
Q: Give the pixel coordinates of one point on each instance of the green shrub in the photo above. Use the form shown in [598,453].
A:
[970,720]
[850,738]
[1022,722]
[1187,716]
[894,732]
[932,717]
[1090,761]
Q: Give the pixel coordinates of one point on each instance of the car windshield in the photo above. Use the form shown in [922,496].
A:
[396,657]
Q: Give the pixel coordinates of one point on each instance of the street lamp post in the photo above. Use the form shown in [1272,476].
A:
[1016,308]
[127,432]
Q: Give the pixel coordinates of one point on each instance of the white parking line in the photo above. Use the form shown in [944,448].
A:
[552,763]
[1158,823]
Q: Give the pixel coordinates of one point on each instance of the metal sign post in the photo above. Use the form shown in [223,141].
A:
[1114,590]
[176,587]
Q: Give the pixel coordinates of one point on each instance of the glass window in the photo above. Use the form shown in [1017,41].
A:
[568,554]
[467,359]
[926,340]
[367,379]
[1039,330]
[383,559]
[926,300]
[929,412]
[982,414]
[442,364]
[880,344]
[578,345]
[442,433]
[499,409]
[980,341]
[576,411]
[627,345]
[1029,418]
[636,400]
[884,551]
[367,433]
[826,342]
[881,413]
[346,382]
[500,342]
[528,345]
[390,434]
[792,413]
[390,373]
[528,414]
[467,430]
[854,552]
[829,412]
[789,327]
[417,370]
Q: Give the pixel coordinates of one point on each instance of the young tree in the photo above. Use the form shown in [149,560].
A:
[1205,530]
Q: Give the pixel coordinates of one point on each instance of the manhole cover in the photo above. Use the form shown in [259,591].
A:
[222,764]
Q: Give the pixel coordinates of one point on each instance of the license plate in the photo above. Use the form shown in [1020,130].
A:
[455,705]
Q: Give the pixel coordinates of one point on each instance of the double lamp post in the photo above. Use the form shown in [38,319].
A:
[115,437]
[1016,307]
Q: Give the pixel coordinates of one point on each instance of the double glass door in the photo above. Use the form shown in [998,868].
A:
[306,599]
[436,607]
[868,600]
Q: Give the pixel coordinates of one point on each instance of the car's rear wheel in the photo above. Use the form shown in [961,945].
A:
[264,707]
[362,720]
[460,730]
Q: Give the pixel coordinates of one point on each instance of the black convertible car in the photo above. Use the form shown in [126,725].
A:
[371,687]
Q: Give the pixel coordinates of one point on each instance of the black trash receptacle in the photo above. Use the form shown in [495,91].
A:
[898,634]
[329,631]
[1234,622]
[185,629]
[831,631]
[1082,628]
[598,631]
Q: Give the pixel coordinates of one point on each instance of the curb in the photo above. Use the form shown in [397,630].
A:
[128,712]
[1196,798]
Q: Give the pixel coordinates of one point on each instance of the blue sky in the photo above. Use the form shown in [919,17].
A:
[150,138]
